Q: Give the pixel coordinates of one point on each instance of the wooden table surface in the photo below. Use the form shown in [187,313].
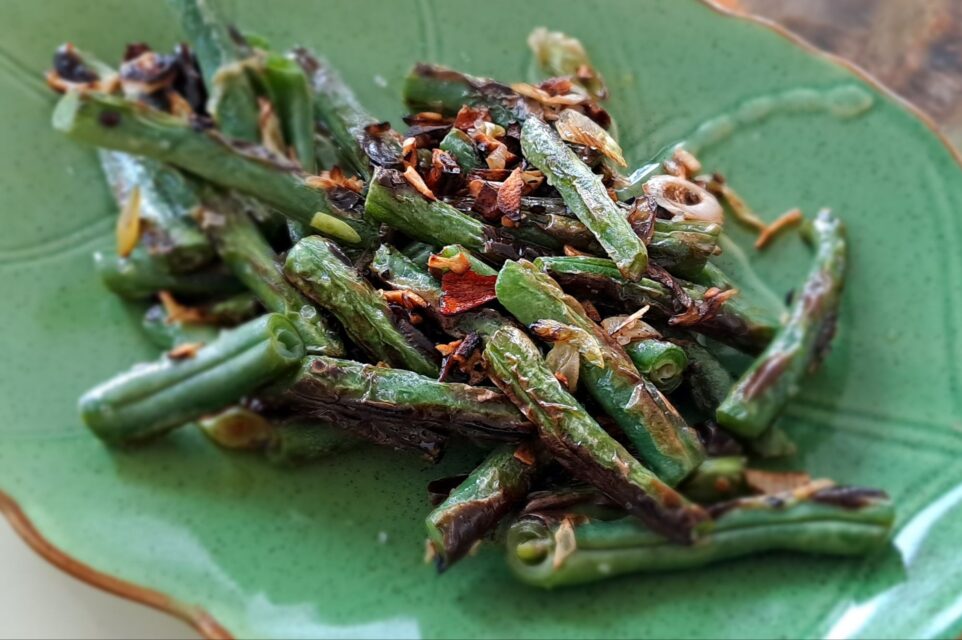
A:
[912,46]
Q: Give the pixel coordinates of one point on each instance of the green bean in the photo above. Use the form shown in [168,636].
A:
[244,249]
[293,104]
[660,361]
[318,268]
[114,123]
[716,479]
[167,205]
[362,139]
[154,398]
[579,443]
[840,521]
[232,101]
[732,322]
[462,149]
[140,275]
[436,88]
[365,397]
[585,196]
[763,391]
[474,508]
[664,442]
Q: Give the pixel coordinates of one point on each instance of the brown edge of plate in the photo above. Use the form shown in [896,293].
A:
[197,617]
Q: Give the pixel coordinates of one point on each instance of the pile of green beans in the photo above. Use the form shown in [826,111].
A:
[317,280]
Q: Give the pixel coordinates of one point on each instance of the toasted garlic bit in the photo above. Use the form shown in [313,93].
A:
[768,482]
[543,97]
[237,428]
[407,299]
[177,312]
[415,180]
[430,552]
[784,221]
[565,543]
[185,351]
[625,329]
[334,178]
[740,209]
[458,264]
[270,128]
[564,361]
[578,128]
[128,224]
[558,332]
[683,198]
[688,161]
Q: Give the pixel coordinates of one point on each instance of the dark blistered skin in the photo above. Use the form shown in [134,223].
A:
[435,88]
[361,139]
[585,195]
[365,396]
[664,442]
[394,202]
[774,378]
[475,507]
[745,526]
[578,442]
[316,267]
[735,323]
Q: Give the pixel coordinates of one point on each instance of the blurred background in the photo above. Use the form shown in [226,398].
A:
[912,46]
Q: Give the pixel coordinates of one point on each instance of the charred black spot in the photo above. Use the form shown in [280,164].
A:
[70,66]
[441,488]
[135,49]
[109,118]
[848,497]
[189,82]
[346,200]
[381,144]
[717,441]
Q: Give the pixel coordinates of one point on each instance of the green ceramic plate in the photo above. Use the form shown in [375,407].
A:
[336,550]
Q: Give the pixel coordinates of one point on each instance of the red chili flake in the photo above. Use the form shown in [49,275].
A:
[509,195]
[443,167]
[485,195]
[465,291]
[468,116]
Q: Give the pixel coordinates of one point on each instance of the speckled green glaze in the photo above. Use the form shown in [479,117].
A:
[301,553]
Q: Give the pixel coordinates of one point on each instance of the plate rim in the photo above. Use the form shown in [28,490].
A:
[196,616]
